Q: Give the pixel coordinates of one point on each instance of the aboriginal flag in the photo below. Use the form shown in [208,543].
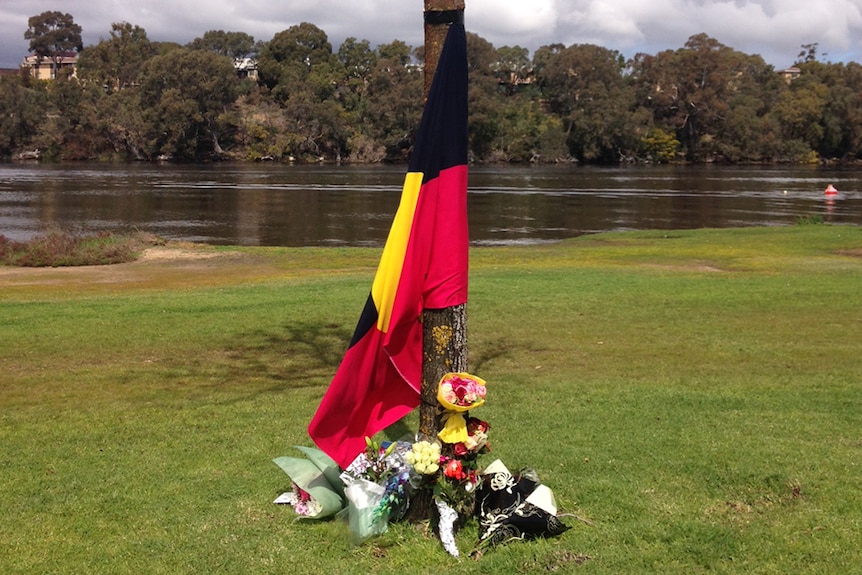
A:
[423,266]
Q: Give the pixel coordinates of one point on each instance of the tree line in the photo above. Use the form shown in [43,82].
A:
[133,98]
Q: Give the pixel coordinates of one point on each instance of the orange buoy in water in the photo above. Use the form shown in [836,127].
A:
[830,190]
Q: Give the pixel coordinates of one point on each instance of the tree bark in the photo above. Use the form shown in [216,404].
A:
[444,350]
[444,331]
[435,35]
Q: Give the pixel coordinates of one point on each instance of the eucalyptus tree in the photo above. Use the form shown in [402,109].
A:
[295,58]
[523,131]
[584,85]
[528,134]
[512,68]
[690,90]
[74,126]
[749,131]
[799,110]
[116,62]
[395,92]
[237,45]
[22,110]
[185,96]
[52,35]
[357,60]
[300,72]
[840,120]
[484,96]
[821,110]
[116,65]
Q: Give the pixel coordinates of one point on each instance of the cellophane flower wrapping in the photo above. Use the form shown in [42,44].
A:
[461,391]
[446,526]
[363,497]
[316,491]
[377,488]
[458,393]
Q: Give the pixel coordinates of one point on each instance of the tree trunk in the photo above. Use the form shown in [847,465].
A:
[444,346]
[435,34]
[217,149]
[444,331]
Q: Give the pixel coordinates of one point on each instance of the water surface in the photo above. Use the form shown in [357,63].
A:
[271,204]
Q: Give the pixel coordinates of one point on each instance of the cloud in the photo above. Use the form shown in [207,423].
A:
[773,28]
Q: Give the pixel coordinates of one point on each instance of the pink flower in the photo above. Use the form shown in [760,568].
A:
[462,391]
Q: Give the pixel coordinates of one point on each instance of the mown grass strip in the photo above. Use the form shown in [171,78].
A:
[694,395]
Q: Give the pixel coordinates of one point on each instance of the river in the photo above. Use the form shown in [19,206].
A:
[310,205]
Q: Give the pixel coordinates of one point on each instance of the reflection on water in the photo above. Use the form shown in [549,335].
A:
[350,205]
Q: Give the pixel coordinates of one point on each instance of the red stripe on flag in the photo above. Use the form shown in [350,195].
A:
[380,376]
[361,400]
[423,266]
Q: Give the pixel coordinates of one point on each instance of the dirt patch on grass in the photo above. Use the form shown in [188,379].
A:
[692,267]
[179,253]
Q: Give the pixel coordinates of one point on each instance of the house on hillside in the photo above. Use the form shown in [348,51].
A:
[43,68]
[246,68]
[790,74]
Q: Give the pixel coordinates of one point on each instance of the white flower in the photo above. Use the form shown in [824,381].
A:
[424,456]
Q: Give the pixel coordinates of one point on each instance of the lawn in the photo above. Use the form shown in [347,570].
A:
[692,397]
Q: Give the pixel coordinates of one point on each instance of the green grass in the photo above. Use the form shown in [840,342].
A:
[694,395]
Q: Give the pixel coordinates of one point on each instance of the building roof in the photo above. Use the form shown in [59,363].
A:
[64,58]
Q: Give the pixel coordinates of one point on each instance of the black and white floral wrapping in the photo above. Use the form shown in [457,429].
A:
[514,507]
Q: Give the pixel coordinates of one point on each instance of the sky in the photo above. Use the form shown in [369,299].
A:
[774,29]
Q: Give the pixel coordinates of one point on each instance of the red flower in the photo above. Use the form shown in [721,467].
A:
[460,449]
[454,470]
[475,424]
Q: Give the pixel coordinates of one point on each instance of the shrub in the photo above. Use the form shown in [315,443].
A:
[810,220]
[58,248]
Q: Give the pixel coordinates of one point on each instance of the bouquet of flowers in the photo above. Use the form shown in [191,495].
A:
[302,501]
[316,490]
[460,469]
[461,391]
[458,393]
[514,507]
[451,469]
[377,487]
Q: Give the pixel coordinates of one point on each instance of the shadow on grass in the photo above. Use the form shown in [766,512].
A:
[301,355]
[493,350]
